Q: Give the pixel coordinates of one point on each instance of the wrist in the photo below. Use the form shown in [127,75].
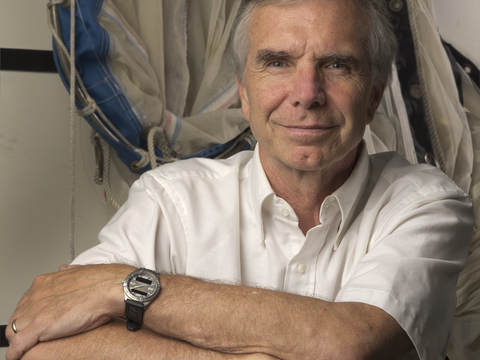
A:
[140,287]
[115,297]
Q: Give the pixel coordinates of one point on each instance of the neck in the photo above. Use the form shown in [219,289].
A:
[305,191]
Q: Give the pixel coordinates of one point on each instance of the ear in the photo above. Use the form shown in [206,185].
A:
[375,99]
[243,98]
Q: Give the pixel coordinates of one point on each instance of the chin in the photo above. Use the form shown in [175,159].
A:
[317,159]
[308,161]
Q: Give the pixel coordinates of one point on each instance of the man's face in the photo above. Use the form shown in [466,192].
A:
[307,93]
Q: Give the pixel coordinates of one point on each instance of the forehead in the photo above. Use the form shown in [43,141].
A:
[321,26]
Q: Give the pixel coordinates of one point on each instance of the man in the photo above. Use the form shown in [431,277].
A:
[371,245]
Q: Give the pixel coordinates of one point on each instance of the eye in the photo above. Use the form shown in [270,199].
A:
[276,64]
[338,66]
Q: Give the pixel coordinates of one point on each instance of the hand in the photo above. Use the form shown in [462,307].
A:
[71,301]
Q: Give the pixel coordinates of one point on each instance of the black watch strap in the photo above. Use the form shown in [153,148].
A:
[134,314]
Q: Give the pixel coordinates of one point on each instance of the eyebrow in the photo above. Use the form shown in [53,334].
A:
[266,55]
[340,58]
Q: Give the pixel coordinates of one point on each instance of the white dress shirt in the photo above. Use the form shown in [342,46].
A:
[394,236]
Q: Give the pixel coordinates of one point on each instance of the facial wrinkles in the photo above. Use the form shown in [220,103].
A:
[299,32]
[290,45]
[324,88]
[327,114]
[298,48]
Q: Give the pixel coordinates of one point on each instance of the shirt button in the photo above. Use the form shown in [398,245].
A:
[302,268]
[285,212]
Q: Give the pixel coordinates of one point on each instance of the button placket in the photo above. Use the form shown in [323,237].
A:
[302,268]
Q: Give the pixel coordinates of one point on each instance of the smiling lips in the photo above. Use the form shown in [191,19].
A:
[307,128]
[306,133]
[309,125]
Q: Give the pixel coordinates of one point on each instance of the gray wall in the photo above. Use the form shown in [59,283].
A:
[34,164]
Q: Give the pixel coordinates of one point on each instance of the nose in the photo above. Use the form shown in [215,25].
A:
[307,88]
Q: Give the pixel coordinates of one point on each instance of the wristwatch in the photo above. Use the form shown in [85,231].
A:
[139,288]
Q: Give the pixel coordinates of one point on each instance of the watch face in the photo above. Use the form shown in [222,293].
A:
[143,285]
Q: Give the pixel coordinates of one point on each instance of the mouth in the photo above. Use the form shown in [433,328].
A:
[308,128]
[307,133]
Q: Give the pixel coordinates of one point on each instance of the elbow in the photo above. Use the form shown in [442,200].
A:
[353,342]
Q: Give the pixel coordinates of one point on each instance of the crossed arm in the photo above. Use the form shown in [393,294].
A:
[112,341]
[70,312]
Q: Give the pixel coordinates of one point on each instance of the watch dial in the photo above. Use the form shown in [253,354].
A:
[142,286]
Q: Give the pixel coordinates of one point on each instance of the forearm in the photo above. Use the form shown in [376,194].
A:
[223,318]
[113,341]
[237,319]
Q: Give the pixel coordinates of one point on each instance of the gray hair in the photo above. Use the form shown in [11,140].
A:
[381,46]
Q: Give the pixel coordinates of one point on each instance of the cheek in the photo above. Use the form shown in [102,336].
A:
[351,101]
[268,96]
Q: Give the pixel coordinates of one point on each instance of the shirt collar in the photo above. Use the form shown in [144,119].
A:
[347,196]
[261,189]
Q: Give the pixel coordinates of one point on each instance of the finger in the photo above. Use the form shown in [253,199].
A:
[22,321]
[18,313]
[20,343]
[9,333]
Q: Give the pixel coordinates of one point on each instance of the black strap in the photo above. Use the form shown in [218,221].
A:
[134,314]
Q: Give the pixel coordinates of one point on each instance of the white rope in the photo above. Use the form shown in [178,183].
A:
[104,178]
[106,175]
[92,106]
[157,135]
[72,129]
[55,2]
[59,43]
[89,109]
